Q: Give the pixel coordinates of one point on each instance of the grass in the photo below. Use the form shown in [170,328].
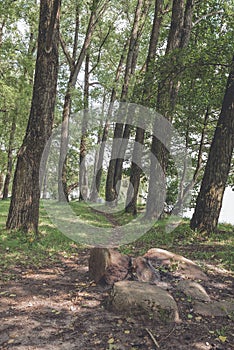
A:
[25,251]
[218,248]
[20,250]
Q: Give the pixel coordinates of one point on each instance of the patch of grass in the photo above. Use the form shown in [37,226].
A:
[89,215]
[218,248]
[25,251]
[123,218]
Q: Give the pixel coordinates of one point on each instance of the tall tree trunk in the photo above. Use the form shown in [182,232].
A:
[75,67]
[209,200]
[96,183]
[83,177]
[1,183]
[24,207]
[115,164]
[136,171]
[185,189]
[127,128]
[135,175]
[9,160]
[178,38]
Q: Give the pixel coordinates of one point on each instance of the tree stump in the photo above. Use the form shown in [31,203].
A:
[107,266]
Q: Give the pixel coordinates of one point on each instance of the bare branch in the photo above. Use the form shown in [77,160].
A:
[75,45]
[207,15]
[70,60]
[100,50]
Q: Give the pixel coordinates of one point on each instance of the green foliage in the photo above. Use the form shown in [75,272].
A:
[17,55]
[201,69]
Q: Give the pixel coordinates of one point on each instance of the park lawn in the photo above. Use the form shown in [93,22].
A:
[19,249]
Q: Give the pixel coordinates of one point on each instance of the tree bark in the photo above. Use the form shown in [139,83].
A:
[185,189]
[98,174]
[83,177]
[136,171]
[75,67]
[131,203]
[24,207]
[168,89]
[9,160]
[209,201]
[115,165]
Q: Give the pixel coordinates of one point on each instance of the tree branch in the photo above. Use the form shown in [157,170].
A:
[207,15]
[52,24]
[100,49]
[70,60]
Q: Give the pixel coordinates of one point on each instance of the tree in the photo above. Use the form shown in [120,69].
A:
[75,64]
[120,132]
[168,88]
[135,175]
[99,168]
[16,74]
[24,207]
[209,200]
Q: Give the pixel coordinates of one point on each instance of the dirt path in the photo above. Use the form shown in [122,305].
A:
[58,307]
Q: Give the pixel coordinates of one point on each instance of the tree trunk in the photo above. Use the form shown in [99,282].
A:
[83,176]
[111,191]
[178,38]
[131,203]
[184,190]
[24,207]
[209,201]
[1,183]
[98,174]
[9,160]
[74,72]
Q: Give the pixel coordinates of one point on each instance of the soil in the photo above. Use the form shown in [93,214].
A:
[58,307]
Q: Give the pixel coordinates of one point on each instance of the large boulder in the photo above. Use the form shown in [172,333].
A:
[193,289]
[180,265]
[107,266]
[133,297]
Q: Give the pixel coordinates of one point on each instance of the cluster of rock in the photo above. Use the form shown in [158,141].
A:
[146,284]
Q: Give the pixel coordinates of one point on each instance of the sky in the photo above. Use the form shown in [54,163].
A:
[227,211]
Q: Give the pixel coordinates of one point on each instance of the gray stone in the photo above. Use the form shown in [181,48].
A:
[133,297]
[180,265]
[193,289]
[215,309]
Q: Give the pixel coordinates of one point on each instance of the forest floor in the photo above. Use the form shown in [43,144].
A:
[54,305]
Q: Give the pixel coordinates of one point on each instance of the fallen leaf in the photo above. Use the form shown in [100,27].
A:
[111,341]
[3,293]
[222,338]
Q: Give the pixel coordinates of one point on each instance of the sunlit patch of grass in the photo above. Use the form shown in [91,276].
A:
[123,218]
[88,215]
[25,251]
[217,248]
